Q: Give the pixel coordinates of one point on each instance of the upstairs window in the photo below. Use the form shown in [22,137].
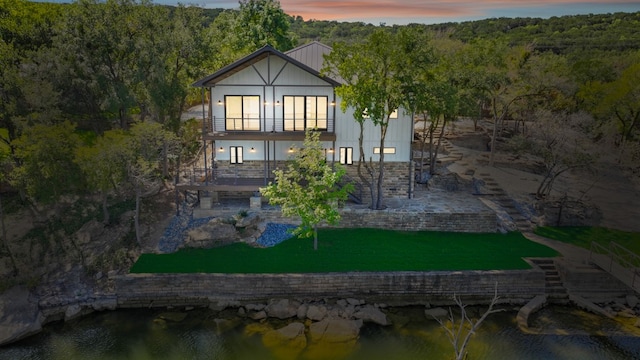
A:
[303,112]
[242,113]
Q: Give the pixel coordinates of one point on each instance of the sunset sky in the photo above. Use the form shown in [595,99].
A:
[434,11]
[428,11]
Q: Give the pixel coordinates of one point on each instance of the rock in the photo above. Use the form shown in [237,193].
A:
[335,330]
[214,233]
[436,313]
[72,312]
[632,301]
[287,342]
[259,315]
[173,316]
[19,315]
[332,339]
[626,313]
[105,304]
[281,309]
[224,325]
[316,312]
[372,314]
[355,302]
[242,312]
[250,220]
[302,311]
[637,323]
[255,307]
[342,302]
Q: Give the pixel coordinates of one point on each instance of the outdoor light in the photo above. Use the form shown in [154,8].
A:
[278,103]
[333,103]
[219,102]
[252,149]
[221,149]
[266,103]
[290,149]
[330,150]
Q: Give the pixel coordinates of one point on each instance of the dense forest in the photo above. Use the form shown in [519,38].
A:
[91,93]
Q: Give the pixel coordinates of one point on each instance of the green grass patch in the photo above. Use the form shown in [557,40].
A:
[342,250]
[583,236]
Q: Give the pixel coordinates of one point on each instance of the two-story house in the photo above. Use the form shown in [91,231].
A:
[259,108]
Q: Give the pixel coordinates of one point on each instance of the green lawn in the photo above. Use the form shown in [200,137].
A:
[583,236]
[342,250]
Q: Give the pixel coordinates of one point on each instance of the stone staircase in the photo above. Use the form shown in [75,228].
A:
[554,289]
[502,199]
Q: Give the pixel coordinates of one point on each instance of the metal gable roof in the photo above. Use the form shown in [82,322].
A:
[255,57]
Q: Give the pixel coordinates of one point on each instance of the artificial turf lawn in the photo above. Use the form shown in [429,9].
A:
[341,250]
[583,236]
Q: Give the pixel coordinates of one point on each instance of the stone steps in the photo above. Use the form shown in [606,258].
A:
[554,288]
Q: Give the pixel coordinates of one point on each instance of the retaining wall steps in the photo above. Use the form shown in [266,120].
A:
[554,288]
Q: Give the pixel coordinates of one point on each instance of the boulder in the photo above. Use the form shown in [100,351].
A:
[258,315]
[250,220]
[287,342]
[173,316]
[212,234]
[316,312]
[436,313]
[302,311]
[632,301]
[20,315]
[332,338]
[335,330]
[372,314]
[73,311]
[281,309]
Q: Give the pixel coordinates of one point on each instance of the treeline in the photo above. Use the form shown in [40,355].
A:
[565,34]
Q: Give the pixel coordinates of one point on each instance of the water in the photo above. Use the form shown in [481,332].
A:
[564,333]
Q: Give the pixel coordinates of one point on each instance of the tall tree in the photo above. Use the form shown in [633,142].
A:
[616,105]
[147,146]
[308,188]
[45,167]
[373,73]
[263,22]
[104,165]
[108,49]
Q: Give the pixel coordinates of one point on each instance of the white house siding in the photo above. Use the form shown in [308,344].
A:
[398,136]
[271,79]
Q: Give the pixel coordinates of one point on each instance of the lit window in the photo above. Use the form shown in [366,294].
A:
[346,155]
[387,150]
[305,112]
[242,113]
[235,153]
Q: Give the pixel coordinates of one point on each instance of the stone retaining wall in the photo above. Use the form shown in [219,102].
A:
[591,283]
[479,222]
[159,290]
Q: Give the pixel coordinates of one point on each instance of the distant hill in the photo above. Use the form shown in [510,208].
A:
[618,31]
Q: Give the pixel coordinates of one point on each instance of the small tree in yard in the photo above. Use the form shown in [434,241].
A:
[308,188]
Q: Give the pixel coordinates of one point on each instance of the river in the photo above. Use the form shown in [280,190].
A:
[564,333]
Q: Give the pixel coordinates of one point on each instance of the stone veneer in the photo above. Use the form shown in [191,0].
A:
[396,180]
[159,290]
[402,219]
